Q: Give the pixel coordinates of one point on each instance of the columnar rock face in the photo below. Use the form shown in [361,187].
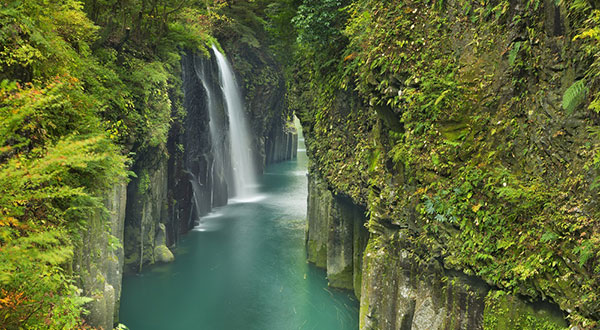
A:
[402,292]
[399,290]
[336,236]
[281,144]
[146,209]
[116,204]
[320,201]
[99,260]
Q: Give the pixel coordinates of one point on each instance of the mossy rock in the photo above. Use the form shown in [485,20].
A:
[343,279]
[317,253]
[507,312]
[163,254]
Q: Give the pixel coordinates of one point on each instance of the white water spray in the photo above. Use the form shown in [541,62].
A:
[242,160]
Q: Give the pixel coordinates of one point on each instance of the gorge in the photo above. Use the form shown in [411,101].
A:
[300,164]
[244,267]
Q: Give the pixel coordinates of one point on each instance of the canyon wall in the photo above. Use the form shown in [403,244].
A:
[458,129]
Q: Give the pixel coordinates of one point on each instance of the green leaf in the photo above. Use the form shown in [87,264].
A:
[441,97]
[574,96]
[548,237]
[512,56]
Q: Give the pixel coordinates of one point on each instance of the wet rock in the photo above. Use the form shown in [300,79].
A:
[161,251]
[163,254]
[98,260]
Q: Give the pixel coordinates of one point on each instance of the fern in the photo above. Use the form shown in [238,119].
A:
[579,6]
[574,96]
[595,105]
[512,56]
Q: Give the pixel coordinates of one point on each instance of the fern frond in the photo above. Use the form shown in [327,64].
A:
[574,96]
[514,51]
[595,104]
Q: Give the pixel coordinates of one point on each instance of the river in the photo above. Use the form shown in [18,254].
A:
[244,268]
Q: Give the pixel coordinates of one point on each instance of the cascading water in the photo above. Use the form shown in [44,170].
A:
[213,125]
[244,175]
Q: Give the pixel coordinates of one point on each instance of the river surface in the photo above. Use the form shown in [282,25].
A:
[244,268]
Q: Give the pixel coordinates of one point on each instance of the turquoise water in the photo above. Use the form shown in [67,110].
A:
[243,268]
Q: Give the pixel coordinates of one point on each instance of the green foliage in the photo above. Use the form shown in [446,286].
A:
[192,28]
[41,38]
[574,96]
[82,83]
[283,33]
[56,163]
[148,26]
[148,84]
[144,183]
[319,23]
[319,38]
[514,51]
[36,293]
[58,187]
[33,117]
[505,312]
[588,17]
[248,25]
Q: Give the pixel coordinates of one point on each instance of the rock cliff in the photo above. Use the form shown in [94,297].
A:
[99,259]
[458,127]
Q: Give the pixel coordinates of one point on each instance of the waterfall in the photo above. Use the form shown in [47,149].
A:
[215,125]
[242,159]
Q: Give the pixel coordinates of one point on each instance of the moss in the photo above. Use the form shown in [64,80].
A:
[454,131]
[366,293]
[317,253]
[343,279]
[506,312]
[163,254]
[357,281]
[364,303]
